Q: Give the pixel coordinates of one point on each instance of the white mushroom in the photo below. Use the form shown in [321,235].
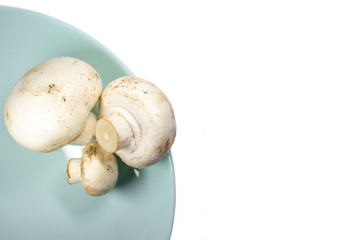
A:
[50,105]
[137,121]
[97,170]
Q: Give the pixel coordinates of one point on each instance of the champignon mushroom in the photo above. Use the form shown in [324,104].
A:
[136,121]
[97,170]
[50,105]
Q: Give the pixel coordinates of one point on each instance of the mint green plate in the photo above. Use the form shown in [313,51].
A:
[36,201]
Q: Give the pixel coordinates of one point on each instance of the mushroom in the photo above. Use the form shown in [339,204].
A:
[50,106]
[136,122]
[97,170]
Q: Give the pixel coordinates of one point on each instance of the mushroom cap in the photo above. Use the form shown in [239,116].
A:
[150,114]
[48,107]
[99,170]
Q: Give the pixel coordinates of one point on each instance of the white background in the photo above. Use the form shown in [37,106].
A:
[267,100]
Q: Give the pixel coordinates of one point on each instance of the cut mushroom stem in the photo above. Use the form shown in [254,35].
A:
[88,133]
[97,170]
[74,170]
[114,132]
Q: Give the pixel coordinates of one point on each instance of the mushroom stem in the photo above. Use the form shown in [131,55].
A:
[74,170]
[88,133]
[114,132]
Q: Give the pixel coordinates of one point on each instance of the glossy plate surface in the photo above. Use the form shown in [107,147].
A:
[36,201]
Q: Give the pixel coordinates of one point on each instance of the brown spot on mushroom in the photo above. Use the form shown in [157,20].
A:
[91,151]
[159,149]
[172,113]
[174,134]
[68,172]
[8,119]
[95,75]
[52,88]
[109,167]
[167,143]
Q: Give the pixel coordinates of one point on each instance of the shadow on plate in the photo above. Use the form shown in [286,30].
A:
[126,173]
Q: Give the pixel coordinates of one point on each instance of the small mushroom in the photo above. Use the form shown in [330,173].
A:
[97,170]
[136,121]
[50,105]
